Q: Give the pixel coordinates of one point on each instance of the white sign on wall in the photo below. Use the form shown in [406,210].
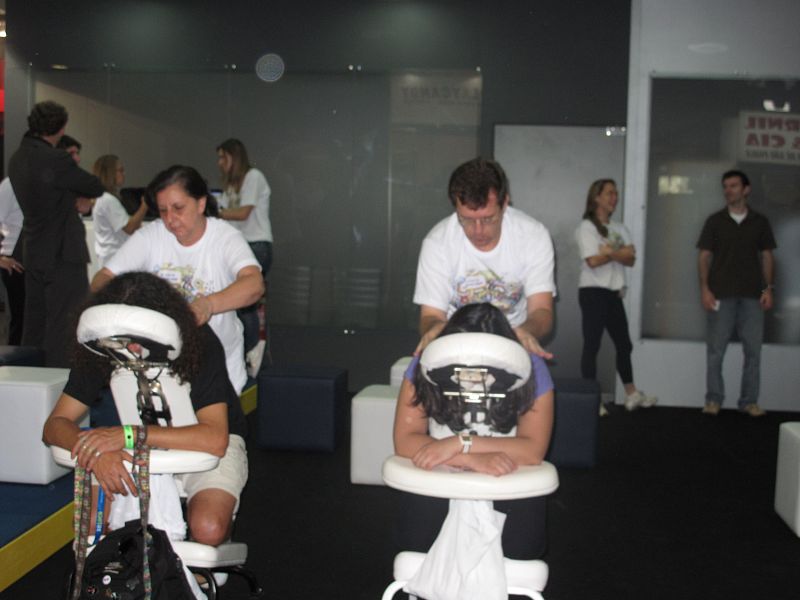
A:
[769,137]
[438,99]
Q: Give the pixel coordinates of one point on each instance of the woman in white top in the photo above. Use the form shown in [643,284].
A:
[245,205]
[112,224]
[606,249]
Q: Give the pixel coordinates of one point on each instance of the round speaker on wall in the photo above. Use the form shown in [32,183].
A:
[270,68]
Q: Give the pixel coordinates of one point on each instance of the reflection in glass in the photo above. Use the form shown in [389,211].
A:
[357,162]
[700,129]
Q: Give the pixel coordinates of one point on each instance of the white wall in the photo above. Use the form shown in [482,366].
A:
[762,41]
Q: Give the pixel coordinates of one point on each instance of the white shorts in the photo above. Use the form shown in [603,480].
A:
[230,475]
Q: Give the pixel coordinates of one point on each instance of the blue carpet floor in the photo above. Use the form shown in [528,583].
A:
[24,505]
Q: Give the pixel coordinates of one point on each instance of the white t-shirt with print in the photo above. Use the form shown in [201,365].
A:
[610,275]
[452,273]
[109,218]
[206,267]
[255,192]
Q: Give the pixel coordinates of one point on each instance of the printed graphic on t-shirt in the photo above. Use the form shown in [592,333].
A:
[182,279]
[615,240]
[486,286]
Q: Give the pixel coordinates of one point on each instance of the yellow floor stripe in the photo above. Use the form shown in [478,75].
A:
[34,546]
[249,399]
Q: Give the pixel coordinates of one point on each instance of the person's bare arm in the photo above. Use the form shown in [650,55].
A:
[236,214]
[246,289]
[135,221]
[538,323]
[626,256]
[768,272]
[707,298]
[100,279]
[431,322]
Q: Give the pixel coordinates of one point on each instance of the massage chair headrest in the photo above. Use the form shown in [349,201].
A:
[505,359]
[108,328]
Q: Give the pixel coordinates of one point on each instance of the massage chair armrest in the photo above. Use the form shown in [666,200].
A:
[444,482]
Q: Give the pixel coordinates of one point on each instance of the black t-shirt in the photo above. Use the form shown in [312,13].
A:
[210,386]
[736,248]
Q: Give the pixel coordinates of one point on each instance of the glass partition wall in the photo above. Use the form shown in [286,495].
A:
[701,128]
[357,162]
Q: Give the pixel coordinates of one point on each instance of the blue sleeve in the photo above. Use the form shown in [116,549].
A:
[411,369]
[541,376]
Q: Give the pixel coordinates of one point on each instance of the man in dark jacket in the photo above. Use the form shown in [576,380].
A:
[47,182]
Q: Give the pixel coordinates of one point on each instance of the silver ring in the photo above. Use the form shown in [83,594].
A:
[97,453]
[85,446]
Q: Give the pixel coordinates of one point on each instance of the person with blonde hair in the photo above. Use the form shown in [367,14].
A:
[112,224]
[245,205]
[606,250]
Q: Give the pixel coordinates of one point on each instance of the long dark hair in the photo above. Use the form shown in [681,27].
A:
[148,291]
[591,204]
[503,415]
[189,180]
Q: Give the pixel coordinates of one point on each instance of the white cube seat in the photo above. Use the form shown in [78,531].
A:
[27,396]
[787,479]
[398,370]
[372,422]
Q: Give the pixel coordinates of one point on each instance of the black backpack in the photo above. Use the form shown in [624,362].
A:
[116,567]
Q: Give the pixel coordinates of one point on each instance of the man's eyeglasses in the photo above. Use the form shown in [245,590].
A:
[468,223]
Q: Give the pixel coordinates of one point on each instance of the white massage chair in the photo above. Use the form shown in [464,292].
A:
[478,368]
[145,390]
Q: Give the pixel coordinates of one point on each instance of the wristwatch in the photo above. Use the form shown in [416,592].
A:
[466,442]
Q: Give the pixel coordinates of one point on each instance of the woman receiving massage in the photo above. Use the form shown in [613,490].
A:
[213,496]
[430,429]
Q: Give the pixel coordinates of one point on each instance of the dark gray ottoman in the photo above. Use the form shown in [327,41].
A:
[298,407]
[21,356]
[574,440]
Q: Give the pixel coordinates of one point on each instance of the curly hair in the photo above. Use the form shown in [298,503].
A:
[189,180]
[591,204]
[148,291]
[47,118]
[502,415]
[471,183]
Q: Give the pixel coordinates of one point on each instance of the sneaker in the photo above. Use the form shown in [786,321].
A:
[603,410]
[639,399]
[711,408]
[753,409]
[647,401]
[254,359]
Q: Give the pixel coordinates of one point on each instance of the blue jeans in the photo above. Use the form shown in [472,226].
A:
[746,317]
[249,314]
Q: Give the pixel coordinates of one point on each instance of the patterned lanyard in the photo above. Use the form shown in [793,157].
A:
[141,459]
[82,505]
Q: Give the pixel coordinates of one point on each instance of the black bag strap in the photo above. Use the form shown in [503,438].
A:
[82,512]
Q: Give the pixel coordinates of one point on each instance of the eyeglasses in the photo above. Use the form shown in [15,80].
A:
[468,223]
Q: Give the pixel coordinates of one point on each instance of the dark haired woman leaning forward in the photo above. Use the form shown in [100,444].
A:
[426,429]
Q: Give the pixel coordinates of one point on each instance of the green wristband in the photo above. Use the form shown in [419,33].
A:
[129,438]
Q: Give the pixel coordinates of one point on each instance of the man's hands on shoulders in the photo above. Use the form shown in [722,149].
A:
[531,344]
[431,322]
